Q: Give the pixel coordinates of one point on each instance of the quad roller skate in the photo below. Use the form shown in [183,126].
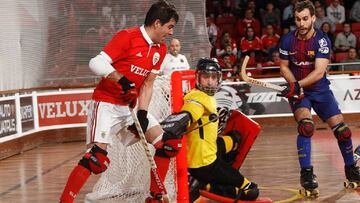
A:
[309,183]
[352,174]
[357,154]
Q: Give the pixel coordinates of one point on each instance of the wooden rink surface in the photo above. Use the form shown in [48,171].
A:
[39,175]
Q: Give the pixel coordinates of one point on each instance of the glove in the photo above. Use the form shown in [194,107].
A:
[126,84]
[129,93]
[292,90]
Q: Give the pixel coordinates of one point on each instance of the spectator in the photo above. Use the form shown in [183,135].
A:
[355,12]
[274,61]
[270,16]
[326,28]
[234,74]
[252,46]
[288,14]
[321,18]
[226,65]
[224,41]
[336,12]
[174,60]
[248,21]
[212,30]
[270,39]
[345,39]
[351,58]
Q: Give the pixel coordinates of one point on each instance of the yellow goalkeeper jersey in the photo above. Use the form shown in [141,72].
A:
[201,143]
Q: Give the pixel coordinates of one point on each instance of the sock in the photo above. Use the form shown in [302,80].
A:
[346,149]
[76,180]
[304,151]
[162,164]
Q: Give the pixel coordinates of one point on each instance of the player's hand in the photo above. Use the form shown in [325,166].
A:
[126,84]
[129,93]
[292,90]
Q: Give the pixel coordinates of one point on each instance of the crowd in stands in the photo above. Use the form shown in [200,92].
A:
[235,28]
[238,27]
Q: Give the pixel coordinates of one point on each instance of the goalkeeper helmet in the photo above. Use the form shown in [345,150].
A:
[208,75]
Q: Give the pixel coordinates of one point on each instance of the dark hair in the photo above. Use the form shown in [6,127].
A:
[161,10]
[304,4]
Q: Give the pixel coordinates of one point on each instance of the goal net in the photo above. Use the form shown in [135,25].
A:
[128,176]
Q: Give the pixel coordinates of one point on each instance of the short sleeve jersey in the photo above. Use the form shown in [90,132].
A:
[302,54]
[134,55]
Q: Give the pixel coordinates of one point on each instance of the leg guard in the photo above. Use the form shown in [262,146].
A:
[248,130]
[306,127]
[169,146]
[342,132]
[93,161]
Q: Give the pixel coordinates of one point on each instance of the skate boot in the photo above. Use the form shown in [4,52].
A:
[352,174]
[249,193]
[357,154]
[309,183]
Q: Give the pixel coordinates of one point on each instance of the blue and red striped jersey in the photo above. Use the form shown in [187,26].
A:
[302,54]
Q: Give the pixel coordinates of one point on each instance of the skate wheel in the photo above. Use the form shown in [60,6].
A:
[304,193]
[351,185]
[315,193]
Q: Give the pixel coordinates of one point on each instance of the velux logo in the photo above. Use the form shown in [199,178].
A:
[64,109]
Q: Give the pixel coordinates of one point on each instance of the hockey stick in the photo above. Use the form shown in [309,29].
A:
[256,82]
[212,118]
[149,156]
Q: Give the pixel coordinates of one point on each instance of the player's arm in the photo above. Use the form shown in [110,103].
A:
[318,73]
[146,90]
[285,71]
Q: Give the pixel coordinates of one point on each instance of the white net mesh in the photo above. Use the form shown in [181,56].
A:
[128,177]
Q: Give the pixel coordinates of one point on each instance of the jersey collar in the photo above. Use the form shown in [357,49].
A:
[147,37]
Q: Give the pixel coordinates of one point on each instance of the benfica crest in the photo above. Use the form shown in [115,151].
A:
[156,58]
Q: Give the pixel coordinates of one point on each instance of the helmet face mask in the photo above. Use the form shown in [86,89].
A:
[208,76]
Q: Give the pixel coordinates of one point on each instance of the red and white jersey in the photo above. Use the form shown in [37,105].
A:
[133,54]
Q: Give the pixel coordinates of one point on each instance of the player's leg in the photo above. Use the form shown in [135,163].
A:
[343,134]
[219,173]
[95,160]
[167,143]
[306,130]
[329,111]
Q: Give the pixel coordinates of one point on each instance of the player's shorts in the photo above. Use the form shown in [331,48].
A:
[106,120]
[323,103]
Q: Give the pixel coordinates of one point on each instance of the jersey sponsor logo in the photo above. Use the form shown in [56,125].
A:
[322,42]
[139,71]
[139,54]
[324,50]
[302,63]
[311,55]
[156,58]
[284,52]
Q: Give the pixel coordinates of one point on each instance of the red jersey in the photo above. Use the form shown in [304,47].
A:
[252,45]
[270,41]
[134,55]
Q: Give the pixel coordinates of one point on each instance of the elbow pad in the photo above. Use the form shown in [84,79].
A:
[101,65]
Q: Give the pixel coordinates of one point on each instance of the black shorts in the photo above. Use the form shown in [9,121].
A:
[219,172]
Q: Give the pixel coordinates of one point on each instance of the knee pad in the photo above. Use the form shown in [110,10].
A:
[95,160]
[306,127]
[342,132]
[170,147]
